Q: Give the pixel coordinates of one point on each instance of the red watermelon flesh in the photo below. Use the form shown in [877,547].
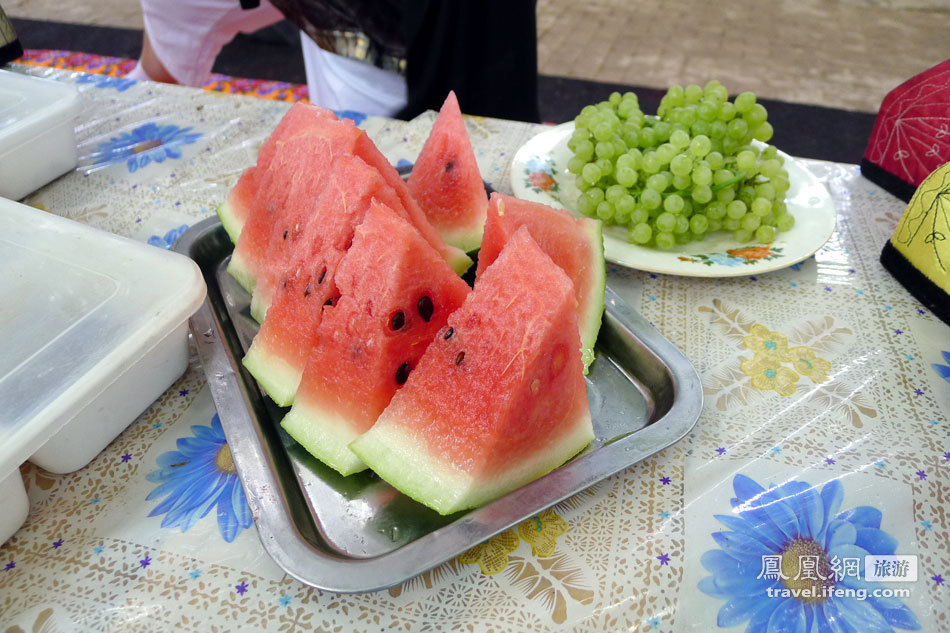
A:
[396,294]
[446,183]
[286,192]
[235,209]
[575,244]
[351,180]
[498,399]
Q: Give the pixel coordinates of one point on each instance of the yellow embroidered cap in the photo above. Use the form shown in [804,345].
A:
[918,253]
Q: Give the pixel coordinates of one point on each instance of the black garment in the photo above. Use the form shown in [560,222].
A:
[485,51]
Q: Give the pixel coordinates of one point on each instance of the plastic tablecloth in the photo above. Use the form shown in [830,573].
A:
[824,440]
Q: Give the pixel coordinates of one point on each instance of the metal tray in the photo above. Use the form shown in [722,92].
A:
[356,533]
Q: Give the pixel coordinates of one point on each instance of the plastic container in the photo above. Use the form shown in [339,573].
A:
[37,135]
[93,328]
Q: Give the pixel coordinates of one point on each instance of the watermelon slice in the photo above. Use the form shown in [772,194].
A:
[305,281]
[499,397]
[396,293]
[446,183]
[234,210]
[355,182]
[576,245]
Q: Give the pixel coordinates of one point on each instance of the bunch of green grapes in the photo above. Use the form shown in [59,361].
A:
[688,171]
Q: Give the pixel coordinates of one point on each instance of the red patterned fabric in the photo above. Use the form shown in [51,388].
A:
[911,135]
[118,67]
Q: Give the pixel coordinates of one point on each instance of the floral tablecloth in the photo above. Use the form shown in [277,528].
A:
[824,439]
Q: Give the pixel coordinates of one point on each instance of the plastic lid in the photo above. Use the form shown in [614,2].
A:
[78,306]
[28,102]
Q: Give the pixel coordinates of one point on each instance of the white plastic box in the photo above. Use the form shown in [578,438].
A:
[93,328]
[37,133]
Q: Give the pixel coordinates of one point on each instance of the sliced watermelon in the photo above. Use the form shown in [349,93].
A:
[396,293]
[499,397]
[355,182]
[576,245]
[279,351]
[234,210]
[446,183]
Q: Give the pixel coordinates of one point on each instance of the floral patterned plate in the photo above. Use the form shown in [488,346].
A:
[539,173]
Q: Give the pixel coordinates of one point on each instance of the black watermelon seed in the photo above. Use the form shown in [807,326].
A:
[397,320]
[306,291]
[328,302]
[460,358]
[323,273]
[448,333]
[425,308]
[449,166]
[402,374]
[285,234]
[285,284]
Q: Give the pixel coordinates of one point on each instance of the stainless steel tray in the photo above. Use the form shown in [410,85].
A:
[356,533]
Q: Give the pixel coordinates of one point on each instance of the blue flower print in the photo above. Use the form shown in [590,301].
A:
[539,163]
[353,115]
[145,144]
[789,524]
[168,240]
[105,81]
[724,259]
[943,370]
[197,477]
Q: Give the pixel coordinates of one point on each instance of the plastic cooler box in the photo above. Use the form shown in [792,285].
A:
[93,328]
[37,134]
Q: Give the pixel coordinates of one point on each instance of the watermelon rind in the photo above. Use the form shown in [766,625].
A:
[241,273]
[275,376]
[325,434]
[229,221]
[406,463]
[258,308]
[588,323]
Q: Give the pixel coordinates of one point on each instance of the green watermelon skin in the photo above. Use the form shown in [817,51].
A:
[446,182]
[396,293]
[306,280]
[575,244]
[234,210]
[449,438]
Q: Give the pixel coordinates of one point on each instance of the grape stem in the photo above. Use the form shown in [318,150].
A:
[739,177]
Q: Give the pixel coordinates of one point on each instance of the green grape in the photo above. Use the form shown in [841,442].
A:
[744,102]
[769,167]
[666,152]
[761,207]
[730,224]
[658,182]
[745,161]
[676,95]
[721,176]
[702,194]
[766,190]
[750,222]
[742,235]
[707,112]
[785,222]
[639,215]
[756,115]
[595,195]
[631,138]
[606,167]
[716,211]
[700,146]
[602,131]
[717,131]
[614,193]
[737,128]
[604,149]
[651,163]
[681,165]
[693,93]
[701,128]
[702,175]
[683,238]
[664,240]
[763,132]
[682,225]
[662,131]
[765,234]
[679,139]
[747,194]
[665,222]
[585,206]
[682,182]
[727,112]
[650,199]
[646,138]
[781,184]
[714,225]
[591,173]
[615,99]
[585,150]
[625,161]
[715,160]
[575,164]
[736,209]
[726,195]
[698,224]
[582,184]
[673,203]
[640,233]
[625,206]
[605,211]
[626,176]
[779,207]
[770,219]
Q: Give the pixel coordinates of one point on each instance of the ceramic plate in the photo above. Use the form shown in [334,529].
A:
[539,173]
